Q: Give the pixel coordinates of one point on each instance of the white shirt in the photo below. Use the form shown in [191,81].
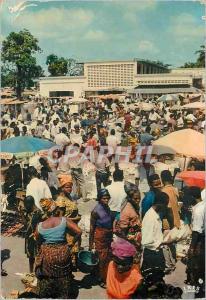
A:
[73,123]
[203,124]
[76,138]
[154,116]
[38,189]
[114,106]
[152,235]
[167,116]
[117,193]
[191,117]
[159,167]
[35,114]
[46,134]
[112,141]
[54,130]
[198,217]
[180,122]
[34,162]
[61,139]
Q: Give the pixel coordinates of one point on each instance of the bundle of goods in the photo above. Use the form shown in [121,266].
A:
[11,224]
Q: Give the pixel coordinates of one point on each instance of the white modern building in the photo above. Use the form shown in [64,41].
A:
[135,76]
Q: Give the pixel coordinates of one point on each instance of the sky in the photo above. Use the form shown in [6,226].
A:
[169,31]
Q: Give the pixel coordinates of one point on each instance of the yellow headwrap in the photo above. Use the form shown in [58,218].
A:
[64,179]
[47,204]
[60,202]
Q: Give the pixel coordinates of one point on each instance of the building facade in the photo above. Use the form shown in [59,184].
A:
[117,77]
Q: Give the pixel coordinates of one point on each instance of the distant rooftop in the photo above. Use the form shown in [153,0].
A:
[146,61]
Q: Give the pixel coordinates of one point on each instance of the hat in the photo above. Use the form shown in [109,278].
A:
[64,179]
[103,193]
[47,204]
[122,248]
[130,187]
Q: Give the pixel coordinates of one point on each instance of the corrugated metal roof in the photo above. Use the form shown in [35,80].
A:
[163,90]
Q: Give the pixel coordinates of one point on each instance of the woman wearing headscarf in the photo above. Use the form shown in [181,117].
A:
[133,142]
[100,237]
[53,262]
[70,211]
[65,189]
[129,221]
[123,277]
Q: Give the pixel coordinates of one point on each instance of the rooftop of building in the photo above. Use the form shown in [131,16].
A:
[61,77]
[146,61]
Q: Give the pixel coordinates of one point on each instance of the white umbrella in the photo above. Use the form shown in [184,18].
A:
[168,98]
[146,106]
[194,105]
[76,100]
[176,107]
[187,142]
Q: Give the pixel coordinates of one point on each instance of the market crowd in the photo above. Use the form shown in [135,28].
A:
[136,225]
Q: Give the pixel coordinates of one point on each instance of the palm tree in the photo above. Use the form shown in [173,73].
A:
[201,57]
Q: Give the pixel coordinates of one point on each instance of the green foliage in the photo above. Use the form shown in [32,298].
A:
[74,68]
[63,66]
[8,75]
[19,49]
[200,62]
[201,57]
[57,66]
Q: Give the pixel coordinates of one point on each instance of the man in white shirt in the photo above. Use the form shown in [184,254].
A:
[54,129]
[112,141]
[61,138]
[76,136]
[152,236]
[153,116]
[46,133]
[117,192]
[114,107]
[37,188]
[75,122]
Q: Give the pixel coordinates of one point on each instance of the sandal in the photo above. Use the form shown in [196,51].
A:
[3,273]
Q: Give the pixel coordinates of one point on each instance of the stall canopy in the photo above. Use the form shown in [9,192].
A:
[194,105]
[16,102]
[22,146]
[7,101]
[168,98]
[193,178]
[145,106]
[187,142]
[76,101]
[176,107]
[158,90]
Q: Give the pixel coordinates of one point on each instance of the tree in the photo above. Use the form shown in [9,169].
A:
[19,49]
[189,65]
[201,57]
[75,68]
[57,66]
[200,61]
[32,73]
[7,75]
